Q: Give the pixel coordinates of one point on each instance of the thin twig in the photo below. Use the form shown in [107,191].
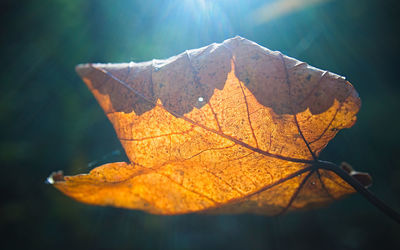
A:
[390,212]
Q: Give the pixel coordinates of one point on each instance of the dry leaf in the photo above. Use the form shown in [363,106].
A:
[231,127]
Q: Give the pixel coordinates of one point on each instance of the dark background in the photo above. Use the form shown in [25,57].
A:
[50,121]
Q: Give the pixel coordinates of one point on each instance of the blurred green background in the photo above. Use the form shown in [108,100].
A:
[50,121]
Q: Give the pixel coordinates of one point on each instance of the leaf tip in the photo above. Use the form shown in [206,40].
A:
[238,37]
[82,69]
[55,177]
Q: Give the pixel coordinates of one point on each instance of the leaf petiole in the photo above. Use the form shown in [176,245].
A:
[388,211]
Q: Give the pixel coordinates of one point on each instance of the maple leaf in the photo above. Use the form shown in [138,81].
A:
[227,128]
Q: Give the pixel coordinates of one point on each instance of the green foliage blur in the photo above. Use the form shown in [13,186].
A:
[50,121]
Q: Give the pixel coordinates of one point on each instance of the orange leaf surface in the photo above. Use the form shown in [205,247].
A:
[227,128]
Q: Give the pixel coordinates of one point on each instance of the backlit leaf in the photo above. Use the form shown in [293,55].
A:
[227,128]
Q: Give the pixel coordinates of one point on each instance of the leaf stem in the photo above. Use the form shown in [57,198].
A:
[388,211]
